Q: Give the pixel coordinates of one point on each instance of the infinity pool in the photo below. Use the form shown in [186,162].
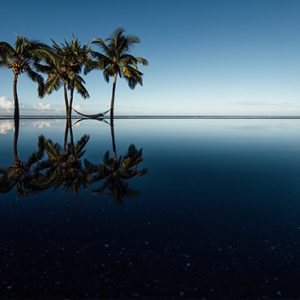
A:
[207,208]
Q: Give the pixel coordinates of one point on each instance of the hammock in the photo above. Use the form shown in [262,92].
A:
[96,116]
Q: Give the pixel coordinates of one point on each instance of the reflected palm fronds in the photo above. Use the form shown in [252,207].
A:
[22,173]
[114,172]
[63,167]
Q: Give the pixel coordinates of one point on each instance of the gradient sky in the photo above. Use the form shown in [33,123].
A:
[211,57]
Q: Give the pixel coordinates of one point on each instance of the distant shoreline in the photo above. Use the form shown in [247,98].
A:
[159,117]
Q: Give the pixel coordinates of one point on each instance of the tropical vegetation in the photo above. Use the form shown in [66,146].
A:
[114,172]
[65,63]
[63,66]
[65,167]
[21,174]
[23,58]
[116,61]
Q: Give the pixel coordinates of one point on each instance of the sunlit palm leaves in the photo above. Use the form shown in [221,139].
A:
[23,58]
[63,66]
[115,60]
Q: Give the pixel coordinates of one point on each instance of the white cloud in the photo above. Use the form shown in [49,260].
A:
[41,106]
[6,126]
[5,104]
[41,124]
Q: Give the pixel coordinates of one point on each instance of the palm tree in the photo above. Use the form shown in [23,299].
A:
[23,58]
[63,66]
[117,61]
[115,172]
[63,166]
[22,173]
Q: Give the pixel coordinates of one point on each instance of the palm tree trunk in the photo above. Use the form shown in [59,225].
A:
[112,132]
[68,130]
[71,134]
[71,103]
[16,136]
[66,99]
[112,103]
[66,134]
[16,100]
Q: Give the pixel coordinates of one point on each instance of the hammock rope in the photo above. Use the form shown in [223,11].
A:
[95,116]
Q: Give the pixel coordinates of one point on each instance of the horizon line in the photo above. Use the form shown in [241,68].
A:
[6,117]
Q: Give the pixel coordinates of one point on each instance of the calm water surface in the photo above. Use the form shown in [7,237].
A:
[216,214]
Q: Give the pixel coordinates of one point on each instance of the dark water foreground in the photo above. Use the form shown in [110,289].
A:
[210,208]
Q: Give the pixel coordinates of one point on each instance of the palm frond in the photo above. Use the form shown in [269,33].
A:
[53,83]
[132,39]
[81,90]
[99,42]
[142,60]
[79,146]
[34,76]
[7,49]
[132,76]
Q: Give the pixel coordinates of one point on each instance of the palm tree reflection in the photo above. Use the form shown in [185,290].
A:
[22,173]
[64,167]
[115,172]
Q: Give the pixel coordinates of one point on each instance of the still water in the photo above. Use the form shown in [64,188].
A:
[208,208]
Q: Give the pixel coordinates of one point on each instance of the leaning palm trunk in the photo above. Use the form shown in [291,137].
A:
[71,135]
[112,131]
[66,134]
[16,136]
[71,103]
[112,104]
[66,99]
[16,100]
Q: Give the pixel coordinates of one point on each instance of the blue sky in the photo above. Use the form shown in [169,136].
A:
[210,57]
